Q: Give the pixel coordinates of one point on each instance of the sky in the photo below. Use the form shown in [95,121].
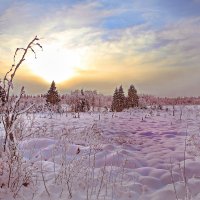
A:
[99,45]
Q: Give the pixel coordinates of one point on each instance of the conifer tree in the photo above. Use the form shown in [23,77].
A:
[83,103]
[114,101]
[118,103]
[132,99]
[52,97]
[121,99]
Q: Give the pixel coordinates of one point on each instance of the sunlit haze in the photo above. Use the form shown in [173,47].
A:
[57,63]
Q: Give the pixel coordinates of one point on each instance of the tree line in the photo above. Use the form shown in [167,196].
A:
[81,102]
[78,100]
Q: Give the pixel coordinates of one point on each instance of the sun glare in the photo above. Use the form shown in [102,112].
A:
[56,63]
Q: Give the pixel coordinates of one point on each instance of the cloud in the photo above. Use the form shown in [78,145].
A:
[144,53]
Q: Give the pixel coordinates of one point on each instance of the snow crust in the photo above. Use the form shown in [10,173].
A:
[134,155]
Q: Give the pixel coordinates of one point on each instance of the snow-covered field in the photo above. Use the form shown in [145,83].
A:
[135,154]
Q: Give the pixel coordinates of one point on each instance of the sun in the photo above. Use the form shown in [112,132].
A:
[56,63]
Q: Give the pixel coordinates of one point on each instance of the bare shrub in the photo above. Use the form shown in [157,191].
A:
[15,173]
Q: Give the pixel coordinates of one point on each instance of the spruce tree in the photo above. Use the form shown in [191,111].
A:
[118,103]
[114,101]
[83,103]
[121,99]
[132,99]
[52,97]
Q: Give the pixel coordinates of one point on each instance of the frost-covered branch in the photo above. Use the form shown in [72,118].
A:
[11,108]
